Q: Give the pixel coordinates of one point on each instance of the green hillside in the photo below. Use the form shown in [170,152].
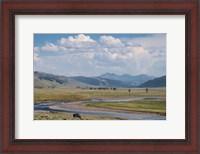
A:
[45,80]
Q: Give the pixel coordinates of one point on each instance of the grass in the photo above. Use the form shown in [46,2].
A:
[67,95]
[73,94]
[67,116]
[150,106]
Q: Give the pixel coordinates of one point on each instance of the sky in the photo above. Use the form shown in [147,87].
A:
[96,54]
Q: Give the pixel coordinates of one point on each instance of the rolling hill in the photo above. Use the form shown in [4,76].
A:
[45,80]
[157,82]
[97,81]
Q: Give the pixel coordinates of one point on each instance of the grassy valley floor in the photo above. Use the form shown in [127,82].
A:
[40,115]
[76,99]
[148,106]
[75,94]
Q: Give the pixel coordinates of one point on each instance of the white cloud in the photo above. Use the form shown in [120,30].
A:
[79,41]
[78,54]
[158,52]
[50,47]
[36,57]
[78,38]
[110,41]
[90,55]
[36,49]
[155,40]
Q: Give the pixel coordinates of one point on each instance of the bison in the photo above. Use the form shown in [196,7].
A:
[77,115]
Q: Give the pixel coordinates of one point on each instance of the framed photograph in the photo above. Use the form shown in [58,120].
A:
[100,76]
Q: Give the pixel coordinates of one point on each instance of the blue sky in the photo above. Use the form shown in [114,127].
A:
[96,54]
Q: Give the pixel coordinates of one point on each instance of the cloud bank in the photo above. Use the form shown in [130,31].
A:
[83,55]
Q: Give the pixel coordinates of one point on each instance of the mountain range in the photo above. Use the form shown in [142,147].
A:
[42,80]
[135,80]
[157,82]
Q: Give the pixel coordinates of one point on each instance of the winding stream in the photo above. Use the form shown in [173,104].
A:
[73,107]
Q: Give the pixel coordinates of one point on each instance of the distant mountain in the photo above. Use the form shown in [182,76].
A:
[133,80]
[45,80]
[97,81]
[112,76]
[157,82]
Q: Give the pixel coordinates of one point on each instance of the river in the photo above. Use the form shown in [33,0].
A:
[79,107]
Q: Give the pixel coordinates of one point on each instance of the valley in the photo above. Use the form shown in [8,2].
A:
[107,97]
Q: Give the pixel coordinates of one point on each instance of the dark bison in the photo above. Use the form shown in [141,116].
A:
[77,115]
